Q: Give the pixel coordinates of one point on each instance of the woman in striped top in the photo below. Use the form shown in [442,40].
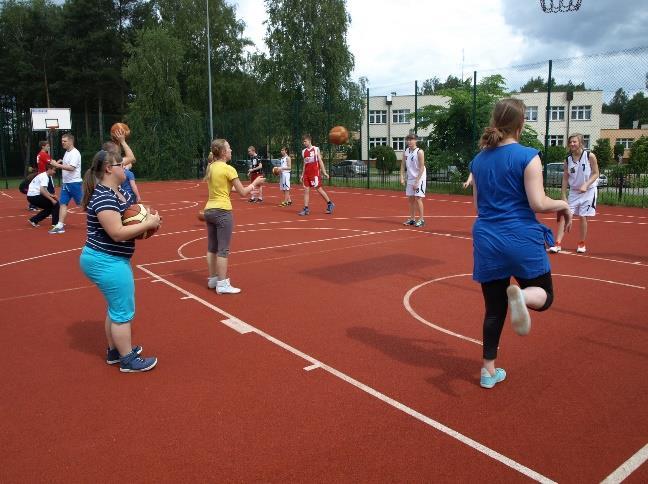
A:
[105,259]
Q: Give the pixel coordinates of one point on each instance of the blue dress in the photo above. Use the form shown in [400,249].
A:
[508,240]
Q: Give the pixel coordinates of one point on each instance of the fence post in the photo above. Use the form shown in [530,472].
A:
[548,114]
[416,109]
[474,111]
[368,147]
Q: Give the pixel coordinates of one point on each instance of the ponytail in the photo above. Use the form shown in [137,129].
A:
[95,173]
[491,137]
[506,121]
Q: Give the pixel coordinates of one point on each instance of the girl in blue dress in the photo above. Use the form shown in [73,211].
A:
[508,240]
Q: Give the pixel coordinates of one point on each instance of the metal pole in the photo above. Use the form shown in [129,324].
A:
[2,153]
[474,111]
[368,160]
[546,144]
[209,79]
[416,109]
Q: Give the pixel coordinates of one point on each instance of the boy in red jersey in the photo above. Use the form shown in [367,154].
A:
[310,175]
[43,157]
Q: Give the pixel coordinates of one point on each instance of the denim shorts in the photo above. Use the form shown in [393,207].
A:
[71,191]
[114,277]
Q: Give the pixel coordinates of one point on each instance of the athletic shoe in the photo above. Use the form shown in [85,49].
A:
[224,287]
[283,204]
[211,282]
[419,223]
[306,211]
[112,355]
[520,319]
[56,230]
[581,249]
[329,207]
[289,202]
[259,200]
[133,363]
[252,200]
[409,221]
[31,208]
[488,381]
[33,224]
[554,249]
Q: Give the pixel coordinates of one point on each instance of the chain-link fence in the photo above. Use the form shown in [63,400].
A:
[603,97]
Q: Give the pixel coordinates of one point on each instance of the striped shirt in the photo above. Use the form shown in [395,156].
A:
[105,198]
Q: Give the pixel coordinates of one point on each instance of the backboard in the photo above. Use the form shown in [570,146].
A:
[44,119]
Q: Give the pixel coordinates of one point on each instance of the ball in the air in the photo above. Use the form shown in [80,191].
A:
[338,135]
[276,171]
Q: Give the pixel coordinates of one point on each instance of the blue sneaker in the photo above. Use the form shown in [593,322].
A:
[112,355]
[133,363]
[329,207]
[306,211]
[488,381]
[419,223]
[409,221]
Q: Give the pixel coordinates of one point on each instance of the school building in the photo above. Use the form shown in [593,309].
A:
[391,119]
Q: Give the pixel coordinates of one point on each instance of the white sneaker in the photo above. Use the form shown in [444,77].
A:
[212,282]
[224,287]
[581,249]
[555,249]
[520,319]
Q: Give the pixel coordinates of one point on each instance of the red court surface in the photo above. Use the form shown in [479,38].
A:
[352,354]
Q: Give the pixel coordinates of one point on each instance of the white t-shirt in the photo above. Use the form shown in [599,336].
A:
[412,164]
[40,180]
[579,171]
[72,158]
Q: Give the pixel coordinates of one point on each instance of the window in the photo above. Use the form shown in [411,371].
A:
[400,116]
[581,113]
[626,142]
[377,117]
[586,141]
[398,144]
[557,113]
[531,113]
[377,142]
[556,139]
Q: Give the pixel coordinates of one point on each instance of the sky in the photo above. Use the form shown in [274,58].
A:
[397,42]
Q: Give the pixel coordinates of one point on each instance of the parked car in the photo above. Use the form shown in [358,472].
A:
[349,168]
[602,180]
[444,173]
[555,174]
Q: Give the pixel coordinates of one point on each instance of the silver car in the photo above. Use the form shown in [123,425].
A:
[349,168]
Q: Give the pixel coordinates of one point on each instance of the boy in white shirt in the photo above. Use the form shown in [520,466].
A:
[41,194]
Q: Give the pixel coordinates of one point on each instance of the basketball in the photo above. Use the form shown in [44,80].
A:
[338,135]
[136,214]
[119,126]
[201,215]
[276,171]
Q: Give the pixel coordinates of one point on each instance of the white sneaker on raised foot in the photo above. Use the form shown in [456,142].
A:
[224,287]
[520,319]
[555,249]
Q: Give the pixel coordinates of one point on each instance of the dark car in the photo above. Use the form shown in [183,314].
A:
[349,168]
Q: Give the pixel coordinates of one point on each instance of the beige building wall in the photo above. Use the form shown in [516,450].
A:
[624,135]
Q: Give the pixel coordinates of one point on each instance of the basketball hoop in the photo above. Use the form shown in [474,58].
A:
[557,6]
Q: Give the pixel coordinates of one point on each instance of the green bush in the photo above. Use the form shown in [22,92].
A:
[555,154]
[603,151]
[639,155]
[385,156]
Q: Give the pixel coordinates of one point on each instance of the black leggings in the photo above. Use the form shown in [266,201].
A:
[496,302]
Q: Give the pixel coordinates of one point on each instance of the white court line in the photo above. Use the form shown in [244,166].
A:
[38,257]
[6,195]
[441,329]
[369,390]
[628,467]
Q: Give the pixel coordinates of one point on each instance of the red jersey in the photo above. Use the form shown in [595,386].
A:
[42,160]
[311,161]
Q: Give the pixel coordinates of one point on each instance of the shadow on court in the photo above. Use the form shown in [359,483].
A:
[422,353]
[374,268]
[87,337]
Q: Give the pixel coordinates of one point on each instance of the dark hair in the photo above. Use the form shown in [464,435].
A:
[96,173]
[507,120]
[69,136]
[410,136]
[285,148]
[43,143]
[307,137]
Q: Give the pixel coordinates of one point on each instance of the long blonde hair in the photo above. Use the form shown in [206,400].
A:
[217,151]
[96,173]
[507,120]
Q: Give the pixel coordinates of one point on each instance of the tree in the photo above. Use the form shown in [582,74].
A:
[385,156]
[310,62]
[529,137]
[451,137]
[617,104]
[603,151]
[168,133]
[639,155]
[619,150]
[636,110]
[539,84]
[435,86]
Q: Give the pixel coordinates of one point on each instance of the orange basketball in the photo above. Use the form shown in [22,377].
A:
[276,170]
[338,135]
[136,214]
[201,215]
[119,126]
